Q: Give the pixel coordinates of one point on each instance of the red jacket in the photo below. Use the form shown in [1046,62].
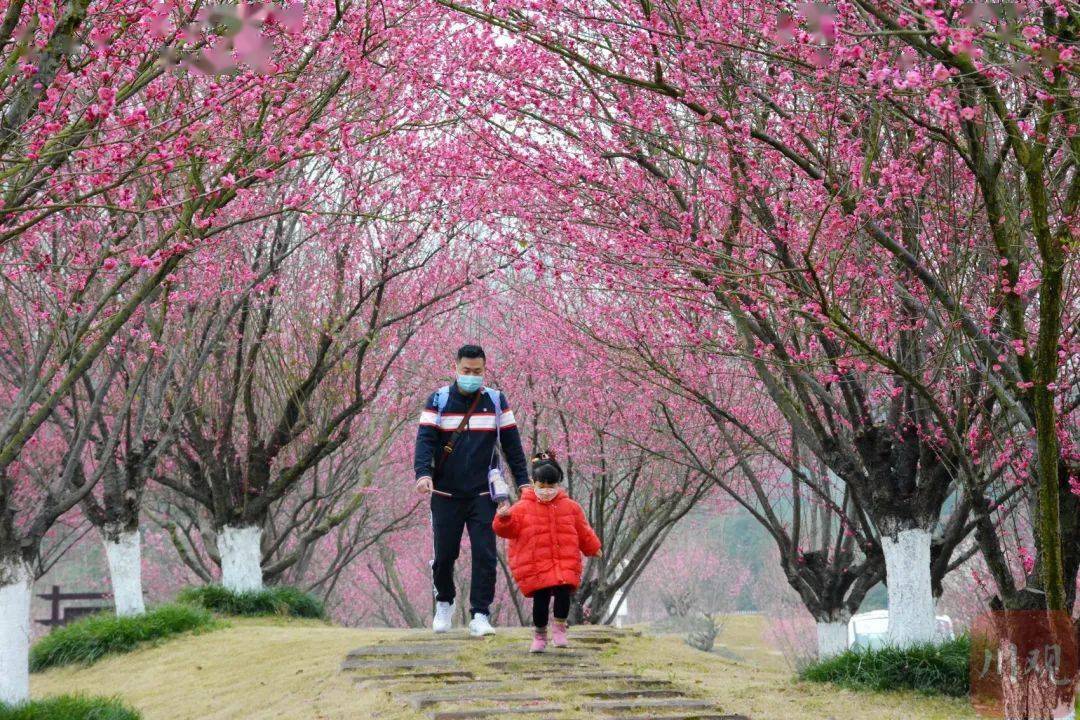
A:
[546,541]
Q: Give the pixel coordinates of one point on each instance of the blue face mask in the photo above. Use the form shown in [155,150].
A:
[469,384]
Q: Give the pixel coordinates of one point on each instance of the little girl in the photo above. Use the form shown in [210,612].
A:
[548,533]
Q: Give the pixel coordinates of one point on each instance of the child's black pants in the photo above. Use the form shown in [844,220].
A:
[542,600]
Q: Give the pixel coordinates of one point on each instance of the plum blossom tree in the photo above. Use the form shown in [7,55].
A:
[693,573]
[126,441]
[788,173]
[821,263]
[712,423]
[255,431]
[846,108]
[116,170]
[598,423]
[781,475]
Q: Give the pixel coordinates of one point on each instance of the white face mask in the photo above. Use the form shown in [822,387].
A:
[546,494]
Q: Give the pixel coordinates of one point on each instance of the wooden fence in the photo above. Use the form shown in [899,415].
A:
[61,615]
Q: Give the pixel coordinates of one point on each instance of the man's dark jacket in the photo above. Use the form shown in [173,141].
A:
[464,472]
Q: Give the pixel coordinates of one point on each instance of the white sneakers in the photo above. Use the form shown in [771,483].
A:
[480,626]
[444,617]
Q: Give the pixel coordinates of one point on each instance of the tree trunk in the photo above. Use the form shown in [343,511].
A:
[241,558]
[911,600]
[123,548]
[589,604]
[16,584]
[832,637]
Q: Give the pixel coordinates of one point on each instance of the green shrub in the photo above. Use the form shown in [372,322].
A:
[69,707]
[87,640]
[283,601]
[929,669]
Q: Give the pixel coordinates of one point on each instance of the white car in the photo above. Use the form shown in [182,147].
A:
[870,630]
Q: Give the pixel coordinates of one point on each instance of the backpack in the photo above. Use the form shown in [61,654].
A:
[442,396]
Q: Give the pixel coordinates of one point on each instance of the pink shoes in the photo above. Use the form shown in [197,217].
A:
[539,643]
[558,637]
[558,634]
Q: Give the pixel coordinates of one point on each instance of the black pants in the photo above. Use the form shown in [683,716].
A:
[542,599]
[449,519]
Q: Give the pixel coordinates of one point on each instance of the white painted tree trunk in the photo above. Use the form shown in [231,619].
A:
[125,568]
[911,600]
[831,639]
[241,558]
[16,583]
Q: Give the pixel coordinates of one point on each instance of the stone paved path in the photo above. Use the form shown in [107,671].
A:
[454,677]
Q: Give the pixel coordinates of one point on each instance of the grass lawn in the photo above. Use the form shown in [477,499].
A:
[270,668]
[763,687]
[257,668]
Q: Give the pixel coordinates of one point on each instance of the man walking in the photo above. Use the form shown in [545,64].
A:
[456,447]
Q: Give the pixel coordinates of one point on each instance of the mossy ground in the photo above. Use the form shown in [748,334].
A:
[761,685]
[289,669]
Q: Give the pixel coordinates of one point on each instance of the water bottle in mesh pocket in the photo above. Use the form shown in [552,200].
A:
[497,486]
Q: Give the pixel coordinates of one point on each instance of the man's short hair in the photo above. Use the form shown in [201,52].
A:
[471,351]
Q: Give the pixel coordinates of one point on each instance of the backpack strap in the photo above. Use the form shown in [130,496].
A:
[442,395]
[496,400]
